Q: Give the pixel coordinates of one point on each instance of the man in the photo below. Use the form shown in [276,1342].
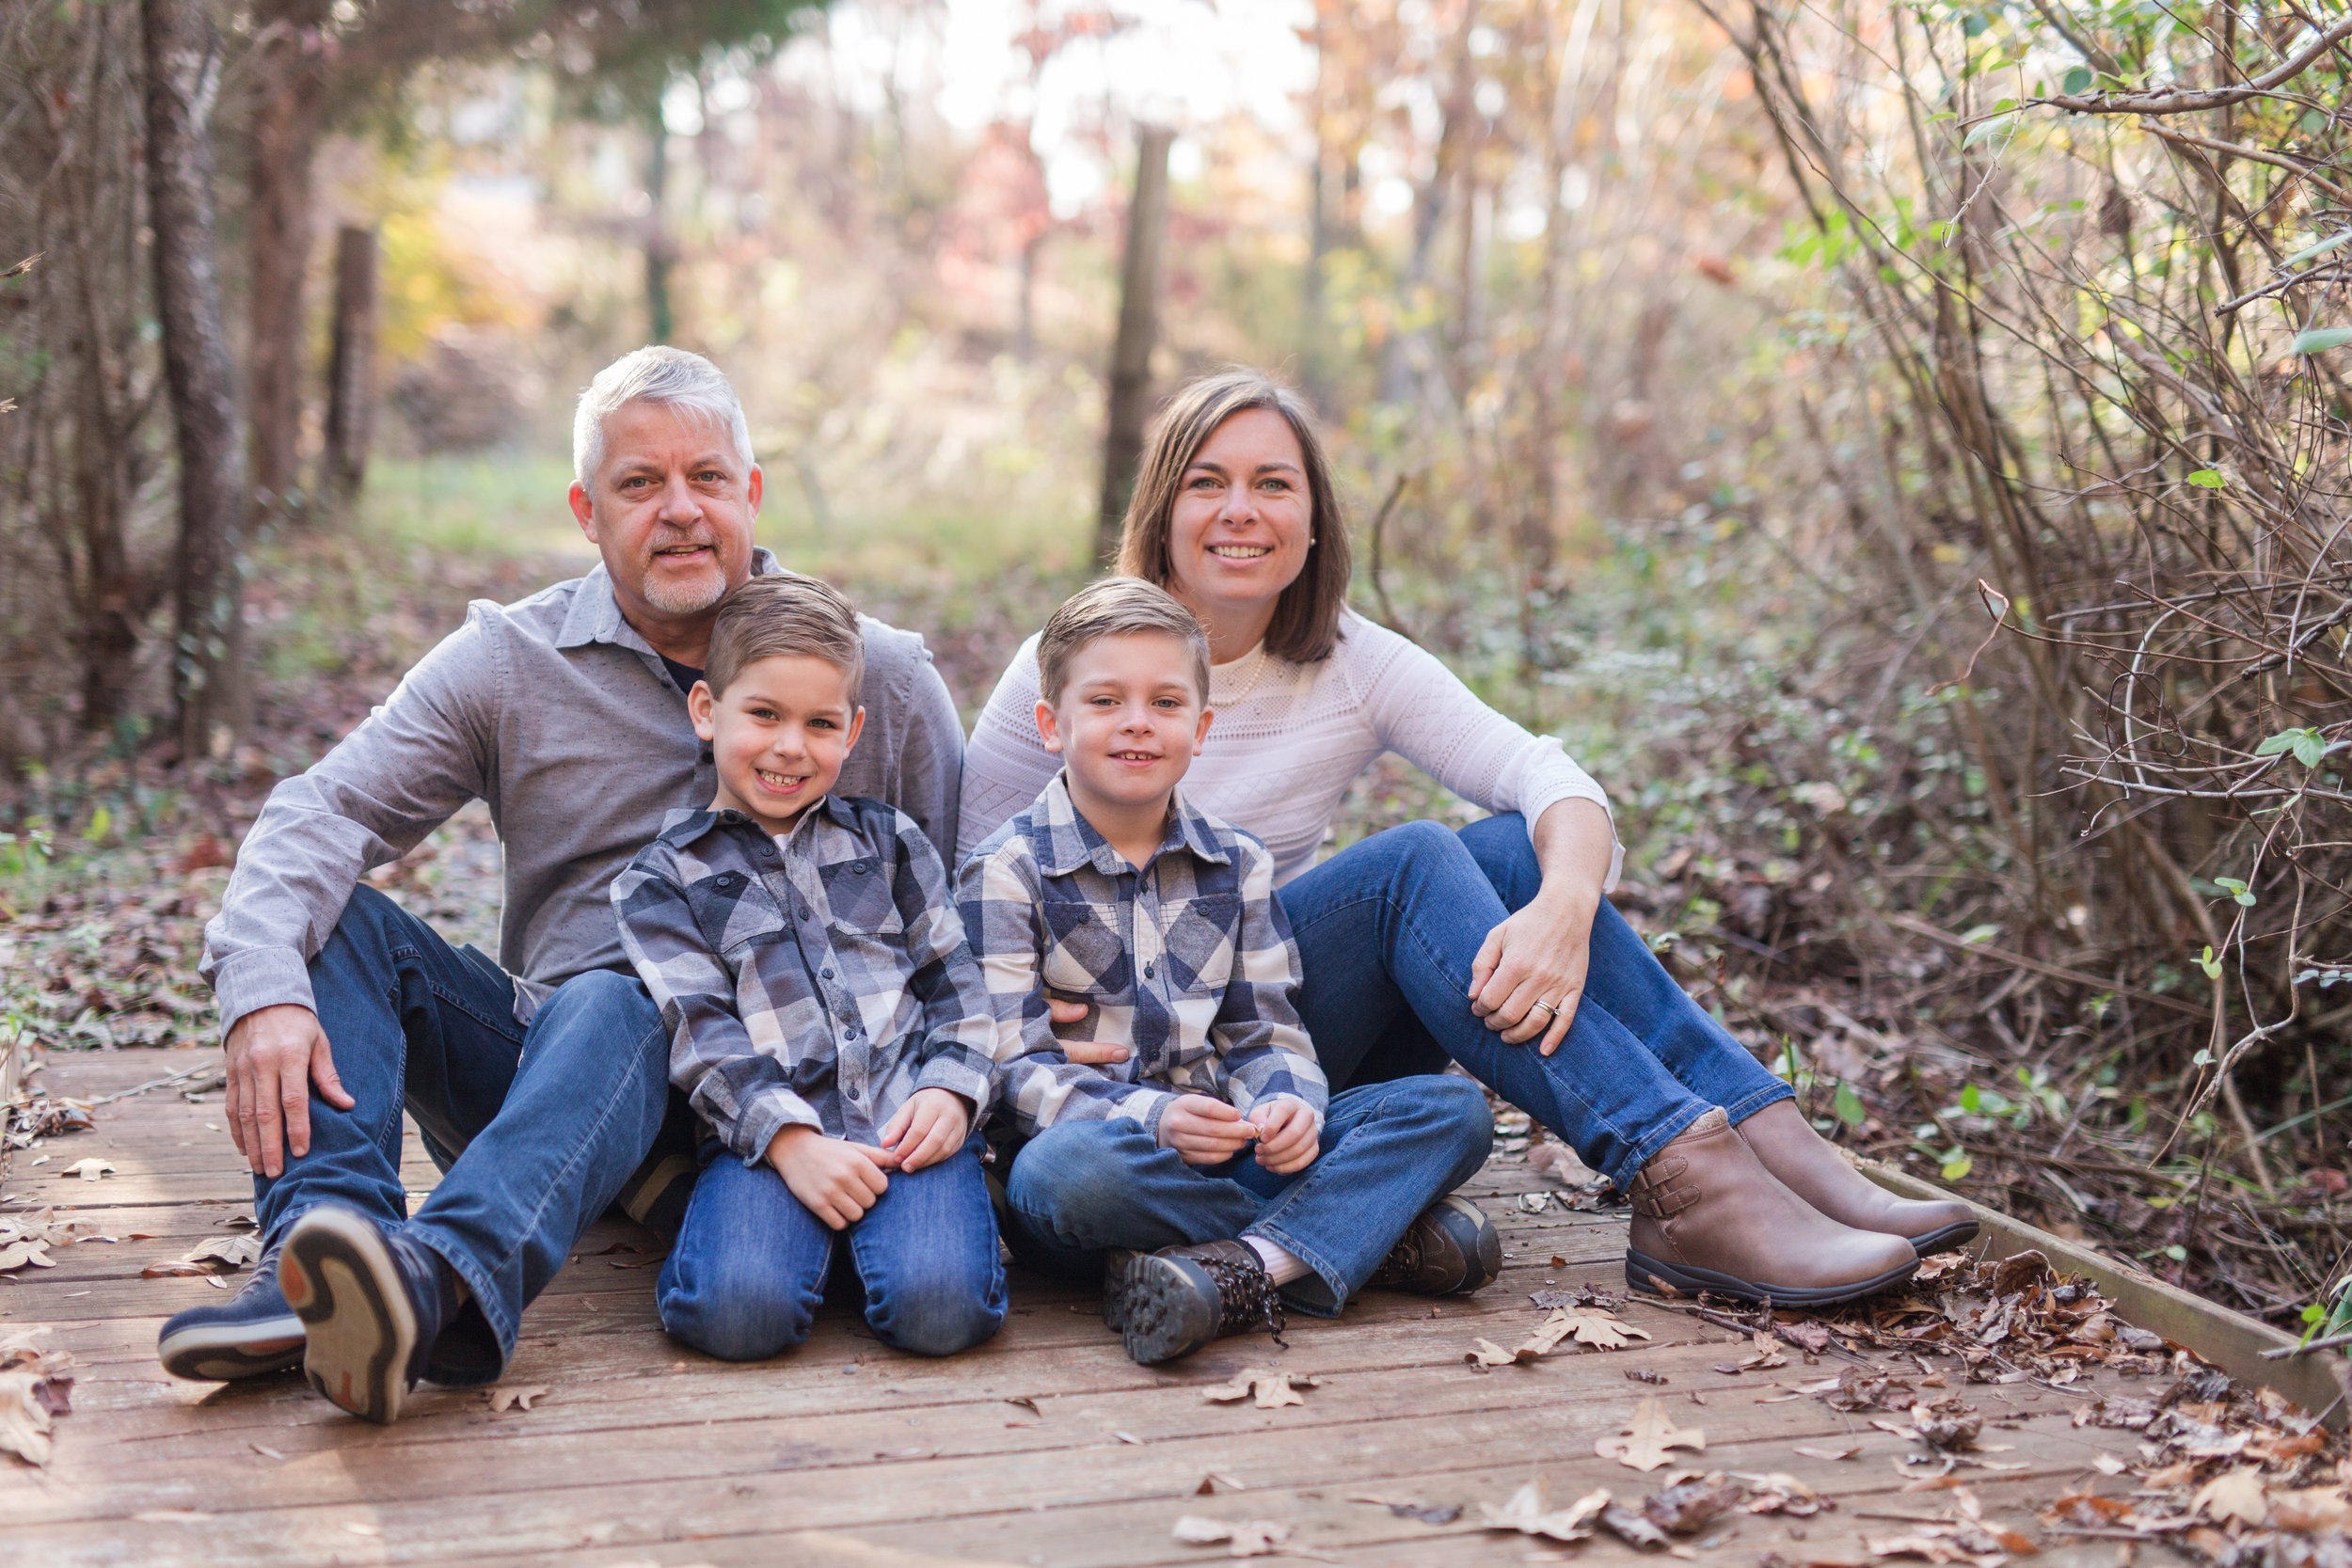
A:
[540,1079]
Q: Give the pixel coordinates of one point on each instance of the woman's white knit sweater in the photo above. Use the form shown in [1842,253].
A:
[1288,738]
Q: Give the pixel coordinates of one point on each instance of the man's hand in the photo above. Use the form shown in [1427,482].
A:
[1084,1053]
[274,1056]
[1205,1131]
[928,1127]
[1539,955]
[1286,1135]
[834,1181]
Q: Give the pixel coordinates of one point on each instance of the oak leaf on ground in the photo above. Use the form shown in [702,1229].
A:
[1240,1537]
[515,1396]
[1529,1510]
[1273,1389]
[1647,1436]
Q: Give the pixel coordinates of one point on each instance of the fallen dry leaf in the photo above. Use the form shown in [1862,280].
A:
[1529,1510]
[2312,1510]
[1273,1389]
[90,1169]
[17,1255]
[1240,1537]
[516,1397]
[1647,1436]
[1690,1506]
[216,1255]
[1210,1482]
[2232,1495]
[25,1415]
[1845,1452]
[1405,1507]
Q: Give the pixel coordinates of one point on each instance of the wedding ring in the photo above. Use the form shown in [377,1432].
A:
[1546,1006]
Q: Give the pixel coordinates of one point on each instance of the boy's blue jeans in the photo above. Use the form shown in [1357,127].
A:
[1386,930]
[1388,1151]
[535,1129]
[749,1270]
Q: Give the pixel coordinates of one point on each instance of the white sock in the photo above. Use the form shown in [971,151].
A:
[1281,1266]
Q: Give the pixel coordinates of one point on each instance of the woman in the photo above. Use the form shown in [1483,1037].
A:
[1493,946]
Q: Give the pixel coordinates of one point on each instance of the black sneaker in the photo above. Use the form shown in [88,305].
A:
[1450,1249]
[251,1334]
[371,1303]
[1180,1298]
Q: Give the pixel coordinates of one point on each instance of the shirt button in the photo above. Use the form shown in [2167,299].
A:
[802,911]
[1147,972]
[767,851]
[826,973]
[854,1094]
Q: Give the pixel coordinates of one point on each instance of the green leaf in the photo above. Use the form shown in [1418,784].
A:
[2178,1252]
[1955,1169]
[99,821]
[2320,339]
[1847,1105]
[2322,248]
[2211,965]
[2209,479]
[2284,740]
[2077,80]
[2203,1058]
[2308,748]
[1978,933]
[1971,1099]
[1982,129]
[2235,889]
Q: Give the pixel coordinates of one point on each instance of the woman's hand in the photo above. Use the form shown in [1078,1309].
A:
[1536,956]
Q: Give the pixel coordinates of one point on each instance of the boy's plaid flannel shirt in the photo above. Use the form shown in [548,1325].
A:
[1188,962]
[820,984]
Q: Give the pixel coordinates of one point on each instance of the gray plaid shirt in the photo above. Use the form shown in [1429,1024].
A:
[816,984]
[1187,961]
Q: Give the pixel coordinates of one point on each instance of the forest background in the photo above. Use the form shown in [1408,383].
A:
[1899,448]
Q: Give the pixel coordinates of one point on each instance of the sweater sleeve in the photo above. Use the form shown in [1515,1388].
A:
[1007,762]
[1423,713]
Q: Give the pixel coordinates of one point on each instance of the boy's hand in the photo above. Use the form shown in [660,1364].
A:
[1286,1135]
[834,1181]
[928,1127]
[1205,1131]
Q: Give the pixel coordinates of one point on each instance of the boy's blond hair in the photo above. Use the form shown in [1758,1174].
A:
[786,615]
[1115,606]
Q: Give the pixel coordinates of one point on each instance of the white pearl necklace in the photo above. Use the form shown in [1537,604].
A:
[1257,658]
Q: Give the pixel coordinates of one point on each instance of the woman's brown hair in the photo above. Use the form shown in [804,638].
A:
[1306,625]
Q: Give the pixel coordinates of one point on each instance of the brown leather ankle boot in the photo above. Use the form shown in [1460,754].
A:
[1808,1166]
[1708,1216]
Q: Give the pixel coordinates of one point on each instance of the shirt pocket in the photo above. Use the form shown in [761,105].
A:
[1199,941]
[1084,955]
[732,909]
[860,899]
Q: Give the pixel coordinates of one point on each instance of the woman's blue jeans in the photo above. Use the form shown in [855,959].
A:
[1387,931]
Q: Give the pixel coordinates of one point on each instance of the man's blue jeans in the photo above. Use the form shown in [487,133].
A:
[1387,931]
[1388,1151]
[535,1129]
[749,1270]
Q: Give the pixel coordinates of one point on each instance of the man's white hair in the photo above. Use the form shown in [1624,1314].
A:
[670,377]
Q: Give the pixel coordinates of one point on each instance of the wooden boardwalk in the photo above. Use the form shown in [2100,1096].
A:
[1045,1447]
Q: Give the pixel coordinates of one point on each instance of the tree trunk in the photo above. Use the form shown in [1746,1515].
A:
[657,319]
[290,63]
[1138,326]
[182,80]
[350,372]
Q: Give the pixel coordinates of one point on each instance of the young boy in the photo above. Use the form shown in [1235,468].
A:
[826,1018]
[1111,890]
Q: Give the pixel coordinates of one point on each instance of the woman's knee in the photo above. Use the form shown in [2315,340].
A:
[1507,856]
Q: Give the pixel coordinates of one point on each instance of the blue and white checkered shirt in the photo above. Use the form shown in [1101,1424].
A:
[819,982]
[1188,962]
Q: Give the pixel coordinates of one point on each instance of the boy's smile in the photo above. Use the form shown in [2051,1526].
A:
[1128,726]
[778,735]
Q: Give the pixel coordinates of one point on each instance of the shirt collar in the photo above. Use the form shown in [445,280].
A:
[596,613]
[682,827]
[1067,840]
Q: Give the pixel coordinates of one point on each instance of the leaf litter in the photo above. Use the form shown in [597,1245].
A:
[1272,1390]
[215,1255]
[1240,1537]
[1647,1436]
[34,1390]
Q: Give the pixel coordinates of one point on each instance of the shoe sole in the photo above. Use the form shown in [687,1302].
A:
[1647,1274]
[1950,1238]
[358,1328]
[1166,1313]
[1118,1265]
[223,1352]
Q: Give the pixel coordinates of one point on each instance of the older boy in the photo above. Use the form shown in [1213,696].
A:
[1163,919]
[825,1017]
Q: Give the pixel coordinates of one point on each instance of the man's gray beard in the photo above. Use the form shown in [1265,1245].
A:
[686,598]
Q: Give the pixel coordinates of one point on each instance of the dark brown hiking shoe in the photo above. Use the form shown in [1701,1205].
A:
[1450,1249]
[1180,1298]
[1118,1263]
